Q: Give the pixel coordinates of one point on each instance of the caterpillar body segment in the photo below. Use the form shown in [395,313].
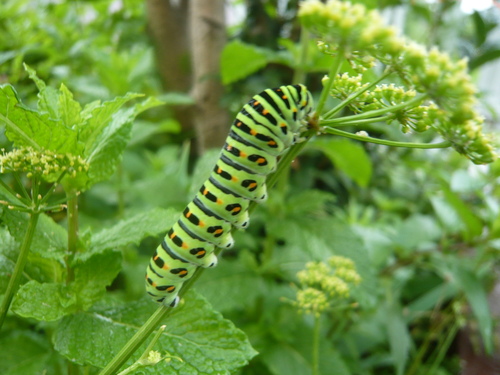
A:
[264,129]
[231,208]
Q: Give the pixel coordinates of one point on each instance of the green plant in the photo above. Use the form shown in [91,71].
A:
[415,284]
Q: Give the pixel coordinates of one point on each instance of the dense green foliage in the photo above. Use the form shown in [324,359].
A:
[366,258]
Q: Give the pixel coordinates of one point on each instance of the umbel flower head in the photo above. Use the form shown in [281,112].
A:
[44,164]
[323,283]
[448,103]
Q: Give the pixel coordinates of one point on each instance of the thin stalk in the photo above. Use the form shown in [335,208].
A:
[133,344]
[334,69]
[315,348]
[22,188]
[163,311]
[72,232]
[20,201]
[376,112]
[364,121]
[18,269]
[443,348]
[444,144]
[299,76]
[354,95]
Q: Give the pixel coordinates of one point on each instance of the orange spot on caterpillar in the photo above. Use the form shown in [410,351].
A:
[260,160]
[253,132]
[219,171]
[172,235]
[170,288]
[205,192]
[283,125]
[165,267]
[236,209]
[265,112]
[234,179]
[219,201]
[238,124]
[229,148]
[188,214]
[256,103]
[284,97]
[271,143]
[242,154]
[201,224]
[218,231]
[184,245]
[294,110]
[252,185]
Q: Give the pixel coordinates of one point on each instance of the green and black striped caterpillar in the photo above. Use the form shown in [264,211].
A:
[265,128]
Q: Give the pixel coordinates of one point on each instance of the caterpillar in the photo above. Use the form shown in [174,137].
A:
[263,130]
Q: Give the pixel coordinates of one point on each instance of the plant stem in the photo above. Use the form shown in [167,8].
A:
[444,144]
[21,262]
[315,348]
[331,75]
[299,75]
[133,344]
[72,231]
[374,113]
[354,95]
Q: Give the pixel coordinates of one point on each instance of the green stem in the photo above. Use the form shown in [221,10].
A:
[19,201]
[363,121]
[377,112]
[444,144]
[354,95]
[315,348]
[299,75]
[139,363]
[72,232]
[163,311]
[133,344]
[334,69]
[21,262]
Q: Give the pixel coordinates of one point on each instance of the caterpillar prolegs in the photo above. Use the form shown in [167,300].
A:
[264,128]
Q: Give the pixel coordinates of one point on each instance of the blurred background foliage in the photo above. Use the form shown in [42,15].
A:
[422,227]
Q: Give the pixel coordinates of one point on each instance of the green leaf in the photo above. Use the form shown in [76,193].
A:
[478,301]
[318,239]
[44,302]
[218,285]
[207,343]
[47,96]
[399,337]
[52,301]
[106,143]
[350,157]
[134,229]
[93,273]
[26,353]
[49,239]
[26,127]
[99,116]
[455,214]
[239,60]
[69,109]
[8,256]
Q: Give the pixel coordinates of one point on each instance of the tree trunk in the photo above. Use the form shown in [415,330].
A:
[208,36]
[168,28]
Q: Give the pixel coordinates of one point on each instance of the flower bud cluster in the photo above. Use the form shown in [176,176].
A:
[323,283]
[45,164]
[362,37]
